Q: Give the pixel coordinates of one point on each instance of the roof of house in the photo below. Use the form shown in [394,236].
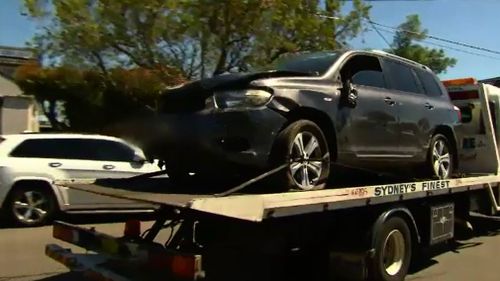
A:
[9,88]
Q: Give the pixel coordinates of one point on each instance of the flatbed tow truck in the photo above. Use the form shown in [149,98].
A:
[361,232]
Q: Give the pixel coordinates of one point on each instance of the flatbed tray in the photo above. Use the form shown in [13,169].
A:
[259,207]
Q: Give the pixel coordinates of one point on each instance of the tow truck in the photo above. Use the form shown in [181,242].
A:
[353,232]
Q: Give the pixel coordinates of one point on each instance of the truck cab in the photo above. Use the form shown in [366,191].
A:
[478,153]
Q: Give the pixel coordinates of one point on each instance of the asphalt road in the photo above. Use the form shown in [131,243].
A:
[22,255]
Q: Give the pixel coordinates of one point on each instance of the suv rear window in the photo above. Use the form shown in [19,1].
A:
[402,77]
[81,149]
[429,83]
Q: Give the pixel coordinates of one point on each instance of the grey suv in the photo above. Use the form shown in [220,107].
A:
[364,109]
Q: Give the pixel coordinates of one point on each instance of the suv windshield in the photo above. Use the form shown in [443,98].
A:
[311,63]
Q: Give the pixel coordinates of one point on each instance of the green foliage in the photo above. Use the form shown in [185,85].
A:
[403,45]
[93,102]
[199,37]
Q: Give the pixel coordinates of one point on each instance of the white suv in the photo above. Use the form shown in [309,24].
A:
[30,162]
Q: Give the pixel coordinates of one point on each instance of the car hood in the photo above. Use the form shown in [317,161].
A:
[191,96]
[230,80]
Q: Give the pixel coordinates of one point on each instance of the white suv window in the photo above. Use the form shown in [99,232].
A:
[83,149]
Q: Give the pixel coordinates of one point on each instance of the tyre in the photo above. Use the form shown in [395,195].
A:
[392,251]
[440,157]
[303,146]
[31,205]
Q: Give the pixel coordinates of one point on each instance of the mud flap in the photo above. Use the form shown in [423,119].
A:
[348,266]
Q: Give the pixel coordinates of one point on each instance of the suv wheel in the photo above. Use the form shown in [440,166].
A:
[440,157]
[304,147]
[31,206]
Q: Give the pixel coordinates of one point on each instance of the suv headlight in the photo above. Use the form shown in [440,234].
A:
[241,98]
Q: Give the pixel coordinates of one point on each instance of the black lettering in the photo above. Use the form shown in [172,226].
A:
[384,189]
[413,187]
[377,191]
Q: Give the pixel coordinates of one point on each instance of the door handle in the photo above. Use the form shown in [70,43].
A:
[108,167]
[389,101]
[429,106]
[55,164]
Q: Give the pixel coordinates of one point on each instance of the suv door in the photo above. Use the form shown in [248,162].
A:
[47,154]
[413,118]
[99,158]
[371,130]
[116,159]
[438,107]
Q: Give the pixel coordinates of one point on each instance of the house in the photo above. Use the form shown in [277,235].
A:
[18,113]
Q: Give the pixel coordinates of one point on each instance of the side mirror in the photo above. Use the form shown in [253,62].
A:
[349,94]
[139,159]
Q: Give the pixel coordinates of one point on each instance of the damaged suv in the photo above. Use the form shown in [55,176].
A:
[363,109]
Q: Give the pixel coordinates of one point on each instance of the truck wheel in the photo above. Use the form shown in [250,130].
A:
[392,251]
[440,157]
[31,206]
[303,146]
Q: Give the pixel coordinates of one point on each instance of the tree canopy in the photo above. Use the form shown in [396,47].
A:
[199,37]
[89,101]
[405,44]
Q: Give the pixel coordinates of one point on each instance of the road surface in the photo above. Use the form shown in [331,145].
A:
[22,256]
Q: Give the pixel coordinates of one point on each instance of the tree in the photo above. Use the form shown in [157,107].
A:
[91,102]
[199,37]
[404,45]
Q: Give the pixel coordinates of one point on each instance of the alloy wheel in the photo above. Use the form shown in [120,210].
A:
[306,162]
[441,160]
[393,252]
[31,207]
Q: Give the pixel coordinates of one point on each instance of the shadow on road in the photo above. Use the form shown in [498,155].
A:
[483,226]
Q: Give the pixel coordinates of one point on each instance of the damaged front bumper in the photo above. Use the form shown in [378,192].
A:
[213,139]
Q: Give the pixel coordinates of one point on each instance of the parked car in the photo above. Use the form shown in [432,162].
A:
[363,109]
[30,162]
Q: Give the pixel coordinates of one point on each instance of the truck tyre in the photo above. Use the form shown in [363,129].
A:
[440,157]
[31,205]
[392,251]
[303,146]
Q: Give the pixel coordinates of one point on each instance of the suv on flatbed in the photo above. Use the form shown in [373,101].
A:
[363,109]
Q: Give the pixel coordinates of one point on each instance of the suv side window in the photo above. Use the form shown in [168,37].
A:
[79,149]
[38,148]
[55,148]
[105,150]
[402,77]
[429,83]
[364,70]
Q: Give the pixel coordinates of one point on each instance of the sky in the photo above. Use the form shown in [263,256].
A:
[475,22]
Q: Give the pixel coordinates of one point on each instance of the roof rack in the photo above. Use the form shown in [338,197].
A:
[380,52]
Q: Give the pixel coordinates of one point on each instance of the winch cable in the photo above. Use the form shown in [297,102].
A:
[251,181]
[283,166]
